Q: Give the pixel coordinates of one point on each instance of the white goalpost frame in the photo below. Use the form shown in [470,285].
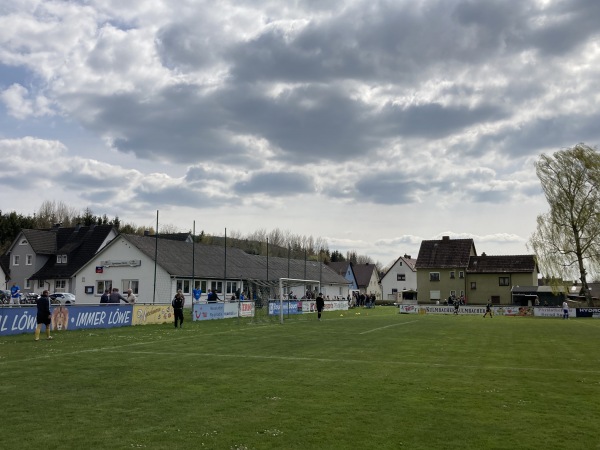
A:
[281,292]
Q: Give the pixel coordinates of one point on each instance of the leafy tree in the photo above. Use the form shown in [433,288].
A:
[567,239]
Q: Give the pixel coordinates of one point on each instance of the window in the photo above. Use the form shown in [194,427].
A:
[434,276]
[16,259]
[41,284]
[452,275]
[23,242]
[504,281]
[231,287]
[184,285]
[103,285]
[216,286]
[28,260]
[452,293]
[131,284]
[61,259]
[473,285]
[400,277]
[60,285]
[461,274]
[27,284]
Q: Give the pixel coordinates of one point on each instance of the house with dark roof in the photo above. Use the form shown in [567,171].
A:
[494,277]
[400,277]
[367,279]
[155,268]
[48,259]
[344,268]
[450,267]
[442,267]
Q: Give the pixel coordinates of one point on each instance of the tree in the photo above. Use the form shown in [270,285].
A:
[567,239]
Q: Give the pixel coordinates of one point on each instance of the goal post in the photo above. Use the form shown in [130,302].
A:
[287,283]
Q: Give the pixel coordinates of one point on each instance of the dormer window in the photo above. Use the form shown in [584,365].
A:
[61,259]
[23,242]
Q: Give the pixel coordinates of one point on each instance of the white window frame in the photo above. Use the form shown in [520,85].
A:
[60,285]
[400,277]
[27,284]
[28,260]
[134,285]
[103,285]
[16,260]
[433,278]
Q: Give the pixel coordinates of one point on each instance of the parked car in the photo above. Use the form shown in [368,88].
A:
[4,296]
[64,298]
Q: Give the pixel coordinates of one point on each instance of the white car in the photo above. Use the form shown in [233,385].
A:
[64,298]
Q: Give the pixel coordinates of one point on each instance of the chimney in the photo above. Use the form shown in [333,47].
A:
[483,254]
[407,256]
[445,238]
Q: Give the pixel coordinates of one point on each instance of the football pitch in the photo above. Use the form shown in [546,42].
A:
[359,379]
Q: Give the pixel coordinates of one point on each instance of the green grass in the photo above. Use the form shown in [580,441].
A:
[376,381]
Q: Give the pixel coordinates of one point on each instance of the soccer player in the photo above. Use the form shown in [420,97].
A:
[320,304]
[44,317]
[565,307]
[488,309]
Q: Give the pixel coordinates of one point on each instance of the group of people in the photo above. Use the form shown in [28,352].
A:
[116,297]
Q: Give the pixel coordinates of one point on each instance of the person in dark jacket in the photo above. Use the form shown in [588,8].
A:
[320,305]
[177,304]
[116,296]
[44,316]
[105,298]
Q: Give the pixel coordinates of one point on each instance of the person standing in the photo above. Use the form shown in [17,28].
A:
[488,309]
[320,305]
[130,296]
[116,296]
[565,307]
[178,304]
[105,298]
[15,294]
[44,317]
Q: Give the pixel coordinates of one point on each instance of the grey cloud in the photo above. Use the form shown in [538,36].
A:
[276,184]
[178,196]
[387,189]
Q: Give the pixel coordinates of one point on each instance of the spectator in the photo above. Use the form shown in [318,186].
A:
[116,296]
[105,298]
[177,304]
[130,296]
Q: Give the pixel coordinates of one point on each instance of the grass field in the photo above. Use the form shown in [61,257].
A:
[376,380]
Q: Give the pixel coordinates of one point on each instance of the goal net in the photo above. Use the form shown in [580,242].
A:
[289,287]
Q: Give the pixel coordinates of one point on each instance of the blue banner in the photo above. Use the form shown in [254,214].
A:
[23,320]
[587,312]
[208,311]
[289,307]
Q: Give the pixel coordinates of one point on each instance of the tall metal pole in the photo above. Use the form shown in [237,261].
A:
[193,265]
[155,257]
[225,267]
[268,268]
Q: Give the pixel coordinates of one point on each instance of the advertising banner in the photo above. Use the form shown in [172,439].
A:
[208,311]
[588,312]
[230,310]
[553,312]
[246,309]
[23,320]
[289,307]
[149,314]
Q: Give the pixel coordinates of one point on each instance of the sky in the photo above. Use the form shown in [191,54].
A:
[371,124]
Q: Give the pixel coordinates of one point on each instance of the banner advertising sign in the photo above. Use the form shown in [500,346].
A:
[230,310]
[588,312]
[23,320]
[289,307]
[246,309]
[149,314]
[208,311]
[552,312]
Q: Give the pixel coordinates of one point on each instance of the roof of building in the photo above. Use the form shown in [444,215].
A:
[363,274]
[339,267]
[209,262]
[78,243]
[502,264]
[445,253]
[408,262]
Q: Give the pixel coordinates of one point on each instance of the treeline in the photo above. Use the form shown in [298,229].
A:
[276,242]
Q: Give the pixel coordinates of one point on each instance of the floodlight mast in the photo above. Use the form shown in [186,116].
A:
[281,280]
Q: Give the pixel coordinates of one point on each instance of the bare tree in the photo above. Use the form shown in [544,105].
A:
[567,239]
